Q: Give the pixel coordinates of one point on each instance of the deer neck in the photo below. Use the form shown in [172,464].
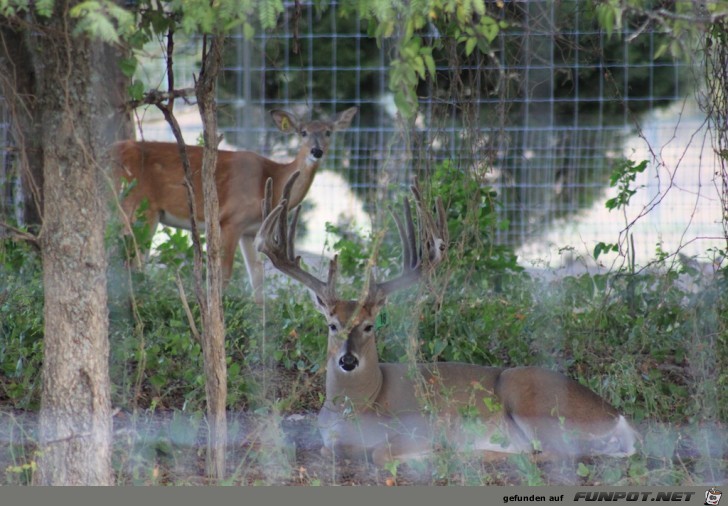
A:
[307,166]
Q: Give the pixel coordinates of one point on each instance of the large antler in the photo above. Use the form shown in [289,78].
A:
[434,238]
[275,239]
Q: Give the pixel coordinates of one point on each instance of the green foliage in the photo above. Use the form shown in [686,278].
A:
[609,16]
[468,321]
[623,175]
[302,344]
[21,324]
[602,247]
[472,220]
[351,250]
[466,21]
[406,71]
[10,8]
[102,20]
[679,26]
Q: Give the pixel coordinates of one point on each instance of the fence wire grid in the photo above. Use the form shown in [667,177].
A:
[543,119]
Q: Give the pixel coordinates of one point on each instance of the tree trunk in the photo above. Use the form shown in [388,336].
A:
[18,62]
[213,342]
[76,127]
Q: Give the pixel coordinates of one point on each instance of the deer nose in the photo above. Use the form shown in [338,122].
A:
[348,362]
[317,152]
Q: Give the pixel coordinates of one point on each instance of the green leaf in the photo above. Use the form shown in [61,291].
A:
[102,20]
[136,90]
[409,30]
[419,66]
[470,45]
[605,18]
[430,62]
[479,7]
[160,22]
[662,48]
[404,104]
[269,11]
[44,8]
[489,28]
[604,248]
[248,31]
[128,66]
[582,470]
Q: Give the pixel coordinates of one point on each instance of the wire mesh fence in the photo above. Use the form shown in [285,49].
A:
[543,117]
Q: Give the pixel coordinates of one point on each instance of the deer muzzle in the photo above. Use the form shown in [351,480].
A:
[314,155]
[348,362]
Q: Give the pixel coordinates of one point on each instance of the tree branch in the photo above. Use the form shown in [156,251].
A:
[21,235]
[157,97]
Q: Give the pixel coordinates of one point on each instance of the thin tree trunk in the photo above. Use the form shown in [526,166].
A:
[213,342]
[209,299]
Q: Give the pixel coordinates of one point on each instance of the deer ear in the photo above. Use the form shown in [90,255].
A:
[343,119]
[285,121]
[376,301]
[319,302]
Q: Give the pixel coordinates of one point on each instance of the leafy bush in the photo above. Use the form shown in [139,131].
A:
[21,324]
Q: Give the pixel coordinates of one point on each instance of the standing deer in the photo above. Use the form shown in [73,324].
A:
[240,176]
[384,412]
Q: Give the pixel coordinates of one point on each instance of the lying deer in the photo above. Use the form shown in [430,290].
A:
[240,177]
[396,411]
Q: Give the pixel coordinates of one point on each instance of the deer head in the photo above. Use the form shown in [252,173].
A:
[351,322]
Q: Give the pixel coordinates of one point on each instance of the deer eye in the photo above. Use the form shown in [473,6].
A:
[333,327]
[304,133]
[328,133]
[368,328]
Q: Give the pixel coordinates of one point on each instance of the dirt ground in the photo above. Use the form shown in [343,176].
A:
[168,448]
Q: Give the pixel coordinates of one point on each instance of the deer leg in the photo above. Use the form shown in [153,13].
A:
[256,269]
[228,237]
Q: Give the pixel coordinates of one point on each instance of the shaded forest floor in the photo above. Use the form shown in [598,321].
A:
[168,448]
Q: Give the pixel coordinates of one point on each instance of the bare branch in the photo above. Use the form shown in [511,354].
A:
[21,235]
[157,97]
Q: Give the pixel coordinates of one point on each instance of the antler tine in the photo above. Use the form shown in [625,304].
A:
[407,235]
[267,202]
[442,229]
[276,240]
[433,243]
[291,250]
[434,236]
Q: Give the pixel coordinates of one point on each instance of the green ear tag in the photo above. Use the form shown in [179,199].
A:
[382,320]
[285,124]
